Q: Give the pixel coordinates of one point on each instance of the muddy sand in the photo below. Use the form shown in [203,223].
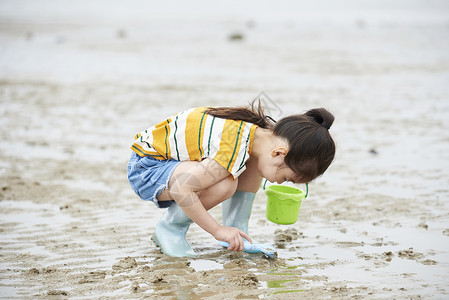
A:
[79,79]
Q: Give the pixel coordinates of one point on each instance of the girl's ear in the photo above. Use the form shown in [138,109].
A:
[279,151]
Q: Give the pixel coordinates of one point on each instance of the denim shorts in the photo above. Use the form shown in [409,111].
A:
[149,177]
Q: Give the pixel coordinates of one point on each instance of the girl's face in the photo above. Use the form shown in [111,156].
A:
[284,173]
[275,170]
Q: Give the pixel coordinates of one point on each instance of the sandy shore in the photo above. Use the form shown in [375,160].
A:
[77,82]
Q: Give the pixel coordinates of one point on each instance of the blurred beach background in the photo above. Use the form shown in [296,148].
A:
[78,79]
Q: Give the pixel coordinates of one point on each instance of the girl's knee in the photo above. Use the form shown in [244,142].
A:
[222,190]
[228,187]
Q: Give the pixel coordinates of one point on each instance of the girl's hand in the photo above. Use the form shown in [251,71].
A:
[233,236]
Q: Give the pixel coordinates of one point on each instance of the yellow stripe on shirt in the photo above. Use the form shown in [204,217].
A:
[251,138]
[160,139]
[139,150]
[195,128]
[230,143]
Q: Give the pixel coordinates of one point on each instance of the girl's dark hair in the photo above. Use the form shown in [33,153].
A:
[250,113]
[311,147]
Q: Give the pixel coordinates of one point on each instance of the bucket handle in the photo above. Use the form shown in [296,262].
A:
[307,187]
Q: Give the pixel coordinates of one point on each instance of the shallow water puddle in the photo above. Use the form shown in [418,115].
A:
[288,284]
[27,215]
[205,265]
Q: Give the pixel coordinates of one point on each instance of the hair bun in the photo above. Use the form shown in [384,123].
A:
[322,116]
[324,124]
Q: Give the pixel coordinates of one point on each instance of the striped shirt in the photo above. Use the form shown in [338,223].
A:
[195,135]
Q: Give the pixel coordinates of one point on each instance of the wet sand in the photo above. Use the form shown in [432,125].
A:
[76,84]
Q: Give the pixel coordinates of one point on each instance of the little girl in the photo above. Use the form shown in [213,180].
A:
[198,158]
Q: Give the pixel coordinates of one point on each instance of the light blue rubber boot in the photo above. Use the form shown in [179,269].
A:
[170,233]
[236,212]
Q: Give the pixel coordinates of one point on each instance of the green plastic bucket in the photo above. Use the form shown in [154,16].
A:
[283,203]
